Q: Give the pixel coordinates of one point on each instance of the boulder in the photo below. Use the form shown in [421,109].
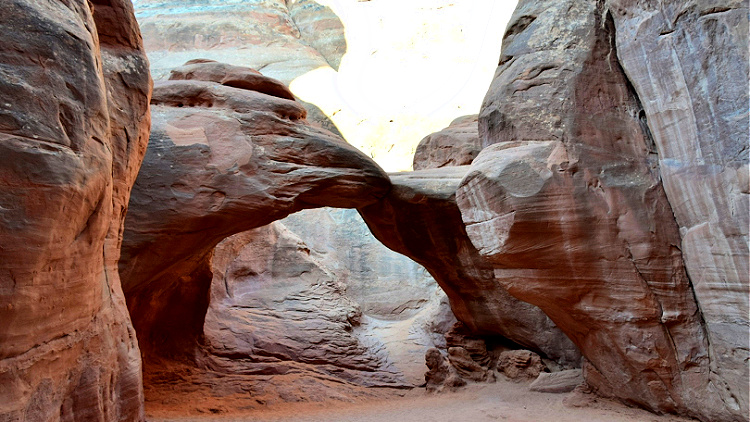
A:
[557,382]
[74,100]
[566,202]
[420,219]
[456,145]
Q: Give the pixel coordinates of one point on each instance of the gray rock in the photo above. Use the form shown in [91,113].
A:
[557,382]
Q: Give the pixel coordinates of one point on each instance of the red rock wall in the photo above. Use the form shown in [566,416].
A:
[567,200]
[73,129]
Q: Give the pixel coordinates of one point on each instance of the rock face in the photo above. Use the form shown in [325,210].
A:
[285,39]
[566,201]
[387,285]
[420,219]
[456,145]
[275,310]
[229,151]
[403,311]
[74,95]
[688,63]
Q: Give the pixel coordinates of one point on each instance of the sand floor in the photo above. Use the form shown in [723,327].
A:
[501,401]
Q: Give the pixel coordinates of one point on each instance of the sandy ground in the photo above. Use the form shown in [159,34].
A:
[502,401]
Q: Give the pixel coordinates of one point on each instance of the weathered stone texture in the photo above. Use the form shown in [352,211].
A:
[275,309]
[688,63]
[557,382]
[74,94]
[566,202]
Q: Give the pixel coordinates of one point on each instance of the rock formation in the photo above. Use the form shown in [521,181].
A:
[520,364]
[74,98]
[387,285]
[688,63]
[557,382]
[456,145]
[229,151]
[566,200]
[404,312]
[420,219]
[440,375]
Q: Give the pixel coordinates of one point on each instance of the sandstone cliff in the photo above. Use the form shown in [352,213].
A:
[74,95]
[603,125]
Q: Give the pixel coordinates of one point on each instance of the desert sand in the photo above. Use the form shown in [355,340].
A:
[501,401]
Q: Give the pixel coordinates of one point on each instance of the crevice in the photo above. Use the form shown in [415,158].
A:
[519,26]
[715,10]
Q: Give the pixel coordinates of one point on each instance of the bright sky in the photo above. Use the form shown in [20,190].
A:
[407,74]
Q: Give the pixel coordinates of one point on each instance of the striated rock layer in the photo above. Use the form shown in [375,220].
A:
[284,39]
[566,202]
[74,99]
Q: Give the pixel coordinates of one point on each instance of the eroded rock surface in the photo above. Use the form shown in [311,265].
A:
[566,202]
[74,94]
[440,375]
[404,312]
[520,364]
[419,218]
